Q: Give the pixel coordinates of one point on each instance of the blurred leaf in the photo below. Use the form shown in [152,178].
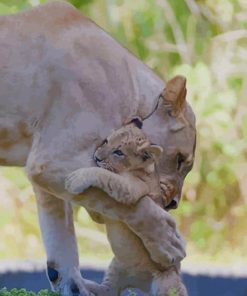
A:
[244,127]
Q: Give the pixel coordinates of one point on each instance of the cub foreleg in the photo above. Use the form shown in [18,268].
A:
[111,284]
[122,189]
[117,279]
[168,283]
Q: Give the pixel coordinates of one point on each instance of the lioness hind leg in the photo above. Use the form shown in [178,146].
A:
[56,223]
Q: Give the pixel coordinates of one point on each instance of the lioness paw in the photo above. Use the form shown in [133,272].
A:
[68,282]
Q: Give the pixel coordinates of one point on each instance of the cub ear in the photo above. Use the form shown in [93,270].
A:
[155,150]
[151,151]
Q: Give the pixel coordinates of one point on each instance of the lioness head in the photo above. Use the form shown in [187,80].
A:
[127,149]
[172,126]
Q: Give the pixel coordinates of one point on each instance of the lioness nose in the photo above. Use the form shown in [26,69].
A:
[172,205]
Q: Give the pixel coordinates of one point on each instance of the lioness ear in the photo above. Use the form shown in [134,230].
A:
[174,95]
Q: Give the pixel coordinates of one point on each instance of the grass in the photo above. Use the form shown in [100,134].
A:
[23,292]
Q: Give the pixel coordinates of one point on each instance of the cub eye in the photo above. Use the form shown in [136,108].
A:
[180,160]
[146,156]
[118,152]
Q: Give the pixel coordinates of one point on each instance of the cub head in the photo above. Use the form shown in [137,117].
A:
[127,149]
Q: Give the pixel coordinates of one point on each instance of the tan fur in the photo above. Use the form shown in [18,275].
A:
[134,176]
[65,84]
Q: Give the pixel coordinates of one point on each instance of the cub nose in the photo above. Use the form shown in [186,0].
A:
[97,159]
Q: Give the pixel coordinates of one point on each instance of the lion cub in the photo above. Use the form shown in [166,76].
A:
[126,167]
[126,170]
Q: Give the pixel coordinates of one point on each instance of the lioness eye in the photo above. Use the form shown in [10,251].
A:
[180,160]
[118,152]
[105,142]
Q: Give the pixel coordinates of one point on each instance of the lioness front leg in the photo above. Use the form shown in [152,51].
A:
[56,223]
[122,189]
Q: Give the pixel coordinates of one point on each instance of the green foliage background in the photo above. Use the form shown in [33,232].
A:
[205,40]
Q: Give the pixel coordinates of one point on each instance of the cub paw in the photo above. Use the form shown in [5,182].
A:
[77,182]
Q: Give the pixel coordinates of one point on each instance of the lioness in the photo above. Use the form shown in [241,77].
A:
[127,172]
[65,84]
